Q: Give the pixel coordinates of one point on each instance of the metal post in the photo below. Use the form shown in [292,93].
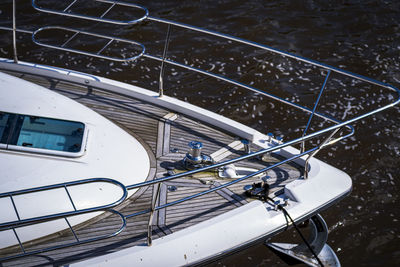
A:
[14,35]
[246,145]
[161,84]
[303,148]
[156,187]
[312,154]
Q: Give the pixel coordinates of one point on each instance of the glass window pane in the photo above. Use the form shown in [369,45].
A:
[47,133]
[6,120]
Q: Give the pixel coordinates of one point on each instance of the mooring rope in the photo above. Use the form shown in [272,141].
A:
[286,213]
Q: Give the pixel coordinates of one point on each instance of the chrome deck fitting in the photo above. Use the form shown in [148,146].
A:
[195,158]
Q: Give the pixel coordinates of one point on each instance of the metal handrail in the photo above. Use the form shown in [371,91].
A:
[198,29]
[224,36]
[313,112]
[164,60]
[274,148]
[75,33]
[264,47]
[151,210]
[101,17]
[314,109]
[287,160]
[332,130]
[69,244]
[20,222]
[271,49]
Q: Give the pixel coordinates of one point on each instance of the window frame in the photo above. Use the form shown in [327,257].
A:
[52,152]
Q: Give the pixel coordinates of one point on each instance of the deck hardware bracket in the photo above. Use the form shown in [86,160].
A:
[270,137]
[246,144]
[257,190]
[172,188]
[286,202]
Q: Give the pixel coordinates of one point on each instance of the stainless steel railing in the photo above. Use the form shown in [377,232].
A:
[77,241]
[74,211]
[157,183]
[14,33]
[74,33]
[101,17]
[26,222]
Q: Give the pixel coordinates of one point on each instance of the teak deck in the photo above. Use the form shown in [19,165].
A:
[166,136]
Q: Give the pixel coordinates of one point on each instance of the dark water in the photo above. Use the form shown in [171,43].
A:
[359,36]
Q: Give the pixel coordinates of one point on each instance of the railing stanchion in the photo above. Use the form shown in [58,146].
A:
[156,193]
[14,34]
[161,84]
[312,154]
[303,148]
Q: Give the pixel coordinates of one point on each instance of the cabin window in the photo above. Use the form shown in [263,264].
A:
[3,123]
[32,133]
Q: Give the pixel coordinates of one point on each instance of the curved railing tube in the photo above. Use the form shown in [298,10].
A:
[69,244]
[19,222]
[100,18]
[268,150]
[75,33]
[268,48]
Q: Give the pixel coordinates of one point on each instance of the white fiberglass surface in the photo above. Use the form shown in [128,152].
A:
[52,121]
[109,152]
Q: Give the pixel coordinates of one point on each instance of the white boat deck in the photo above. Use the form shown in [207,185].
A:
[165,135]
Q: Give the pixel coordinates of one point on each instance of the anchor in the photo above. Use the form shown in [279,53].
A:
[317,241]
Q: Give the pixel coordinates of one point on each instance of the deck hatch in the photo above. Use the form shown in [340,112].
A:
[40,134]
